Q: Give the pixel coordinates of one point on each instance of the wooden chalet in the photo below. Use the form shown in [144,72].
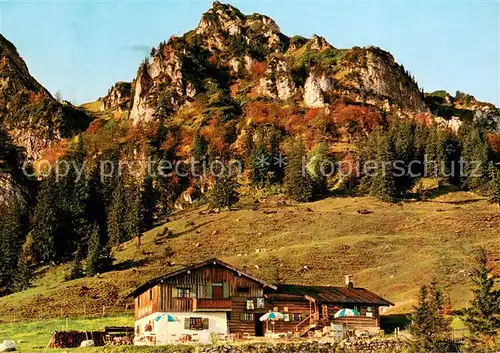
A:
[215,298]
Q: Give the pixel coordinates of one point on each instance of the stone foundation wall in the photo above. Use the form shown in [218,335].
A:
[377,346]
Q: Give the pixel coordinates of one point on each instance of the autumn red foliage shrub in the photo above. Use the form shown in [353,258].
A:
[258,68]
[494,142]
[357,120]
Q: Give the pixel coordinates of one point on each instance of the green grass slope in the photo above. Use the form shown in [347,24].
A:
[391,251]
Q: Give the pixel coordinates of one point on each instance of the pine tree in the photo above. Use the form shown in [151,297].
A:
[98,253]
[475,150]
[317,168]
[298,184]
[494,184]
[148,203]
[24,272]
[96,202]
[483,317]
[225,191]
[73,193]
[133,219]
[260,165]
[199,148]
[429,328]
[116,212]
[11,241]
[46,221]
[433,153]
[383,185]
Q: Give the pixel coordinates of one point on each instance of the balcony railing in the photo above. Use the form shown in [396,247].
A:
[206,304]
[182,304]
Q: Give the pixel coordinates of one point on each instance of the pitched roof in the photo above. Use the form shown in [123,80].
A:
[328,294]
[151,283]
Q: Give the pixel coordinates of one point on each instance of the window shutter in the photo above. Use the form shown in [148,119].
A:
[174,293]
[225,290]
[205,323]
[209,289]
[187,323]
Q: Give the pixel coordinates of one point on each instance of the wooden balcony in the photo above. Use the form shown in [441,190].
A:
[181,304]
[205,304]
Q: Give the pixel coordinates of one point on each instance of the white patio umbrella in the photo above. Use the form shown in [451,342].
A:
[271,316]
[346,313]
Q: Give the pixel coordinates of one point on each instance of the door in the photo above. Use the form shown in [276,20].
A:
[259,326]
[217,291]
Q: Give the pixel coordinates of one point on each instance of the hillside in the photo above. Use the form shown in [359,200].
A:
[237,88]
[391,251]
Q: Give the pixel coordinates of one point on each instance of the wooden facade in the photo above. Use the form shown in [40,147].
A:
[216,287]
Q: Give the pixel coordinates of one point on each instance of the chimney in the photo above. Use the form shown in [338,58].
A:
[349,281]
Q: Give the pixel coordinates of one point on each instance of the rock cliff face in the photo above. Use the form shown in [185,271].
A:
[31,121]
[28,113]
[230,47]
[375,71]
[118,97]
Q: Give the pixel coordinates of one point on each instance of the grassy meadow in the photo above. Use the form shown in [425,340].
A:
[392,249]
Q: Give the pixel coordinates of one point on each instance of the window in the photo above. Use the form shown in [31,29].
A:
[249,305]
[261,303]
[247,317]
[150,294]
[296,317]
[195,323]
[139,300]
[242,290]
[183,292]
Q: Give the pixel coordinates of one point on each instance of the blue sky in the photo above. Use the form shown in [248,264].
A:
[82,47]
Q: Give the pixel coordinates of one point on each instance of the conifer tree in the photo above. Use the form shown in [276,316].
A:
[483,317]
[475,150]
[224,194]
[24,271]
[199,148]
[494,184]
[383,184]
[148,203]
[298,184]
[260,165]
[317,168]
[115,224]
[433,153]
[96,202]
[429,328]
[11,240]
[133,217]
[98,256]
[46,221]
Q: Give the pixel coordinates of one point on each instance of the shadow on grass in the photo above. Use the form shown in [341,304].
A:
[194,228]
[128,264]
[390,322]
[439,191]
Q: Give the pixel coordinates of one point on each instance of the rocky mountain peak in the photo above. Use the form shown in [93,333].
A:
[238,50]
[31,117]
